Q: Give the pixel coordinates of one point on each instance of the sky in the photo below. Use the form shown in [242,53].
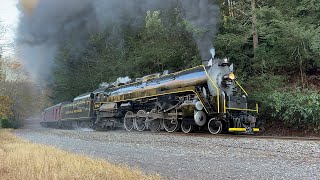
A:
[9,16]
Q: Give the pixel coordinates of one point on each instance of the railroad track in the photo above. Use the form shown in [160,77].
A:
[207,135]
[200,134]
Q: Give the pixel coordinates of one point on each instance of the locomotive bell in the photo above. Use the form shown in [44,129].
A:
[200,118]
[224,62]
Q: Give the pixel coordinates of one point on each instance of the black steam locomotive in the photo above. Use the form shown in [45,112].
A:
[199,98]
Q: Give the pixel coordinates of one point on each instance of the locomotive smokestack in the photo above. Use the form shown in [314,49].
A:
[207,61]
[212,52]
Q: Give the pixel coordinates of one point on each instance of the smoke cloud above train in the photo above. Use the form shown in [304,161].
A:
[46,23]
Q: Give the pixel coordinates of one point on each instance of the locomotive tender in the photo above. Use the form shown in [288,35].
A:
[199,98]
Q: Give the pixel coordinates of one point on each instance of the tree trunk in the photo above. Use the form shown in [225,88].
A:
[226,7]
[254,25]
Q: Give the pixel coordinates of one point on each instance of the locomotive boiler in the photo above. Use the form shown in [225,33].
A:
[200,98]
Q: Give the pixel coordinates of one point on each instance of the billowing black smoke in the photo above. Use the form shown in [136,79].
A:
[49,22]
[203,15]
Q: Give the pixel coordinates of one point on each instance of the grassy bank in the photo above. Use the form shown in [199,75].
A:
[20,159]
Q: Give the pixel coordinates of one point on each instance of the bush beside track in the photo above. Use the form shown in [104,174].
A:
[297,109]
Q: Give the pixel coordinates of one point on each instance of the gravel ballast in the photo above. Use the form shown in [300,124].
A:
[178,156]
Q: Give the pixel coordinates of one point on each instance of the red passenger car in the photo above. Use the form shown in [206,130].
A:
[52,115]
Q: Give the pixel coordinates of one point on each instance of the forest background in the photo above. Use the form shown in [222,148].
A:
[274,44]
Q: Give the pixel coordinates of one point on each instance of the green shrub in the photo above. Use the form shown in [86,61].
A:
[298,108]
[5,123]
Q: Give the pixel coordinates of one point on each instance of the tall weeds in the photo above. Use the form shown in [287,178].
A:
[23,160]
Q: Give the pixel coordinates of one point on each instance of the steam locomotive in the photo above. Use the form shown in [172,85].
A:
[200,98]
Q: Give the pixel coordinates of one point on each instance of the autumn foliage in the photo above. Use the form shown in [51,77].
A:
[5,107]
[20,98]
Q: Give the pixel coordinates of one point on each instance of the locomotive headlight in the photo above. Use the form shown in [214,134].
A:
[232,76]
[228,79]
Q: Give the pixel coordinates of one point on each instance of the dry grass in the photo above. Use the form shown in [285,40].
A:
[23,160]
